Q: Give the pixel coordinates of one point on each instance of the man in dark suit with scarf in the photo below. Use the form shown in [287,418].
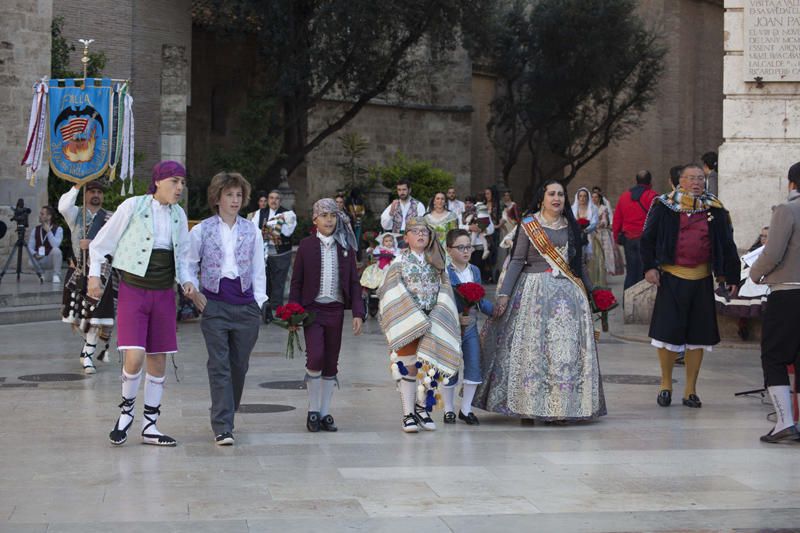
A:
[687,241]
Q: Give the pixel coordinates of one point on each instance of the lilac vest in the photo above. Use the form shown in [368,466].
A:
[211,254]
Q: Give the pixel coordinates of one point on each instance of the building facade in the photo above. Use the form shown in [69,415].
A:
[189,92]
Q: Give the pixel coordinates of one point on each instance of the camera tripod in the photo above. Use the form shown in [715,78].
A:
[17,249]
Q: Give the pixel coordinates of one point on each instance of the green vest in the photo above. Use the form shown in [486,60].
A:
[136,244]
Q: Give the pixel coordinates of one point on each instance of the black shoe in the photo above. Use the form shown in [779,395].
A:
[312,422]
[424,419]
[470,419]
[664,398]
[449,417]
[787,434]
[527,422]
[326,423]
[119,436]
[151,415]
[692,401]
[410,424]
[224,439]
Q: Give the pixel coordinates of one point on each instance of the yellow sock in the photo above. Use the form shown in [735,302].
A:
[667,360]
[693,359]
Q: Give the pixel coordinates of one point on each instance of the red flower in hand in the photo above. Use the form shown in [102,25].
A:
[583,222]
[286,312]
[603,299]
[291,316]
[471,292]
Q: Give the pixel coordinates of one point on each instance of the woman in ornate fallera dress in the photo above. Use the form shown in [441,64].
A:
[606,259]
[539,351]
[440,219]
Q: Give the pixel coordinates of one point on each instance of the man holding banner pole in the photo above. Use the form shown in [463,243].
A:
[95,320]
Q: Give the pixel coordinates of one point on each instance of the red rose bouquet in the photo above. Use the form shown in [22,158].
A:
[470,294]
[603,301]
[290,317]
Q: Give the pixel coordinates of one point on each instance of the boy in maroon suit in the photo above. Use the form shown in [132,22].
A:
[325,281]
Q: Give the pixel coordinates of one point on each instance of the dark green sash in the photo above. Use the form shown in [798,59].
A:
[160,272]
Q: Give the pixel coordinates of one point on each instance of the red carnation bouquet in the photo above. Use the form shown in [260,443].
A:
[603,301]
[290,317]
[470,294]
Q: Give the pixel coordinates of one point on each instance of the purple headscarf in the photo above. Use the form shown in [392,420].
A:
[164,170]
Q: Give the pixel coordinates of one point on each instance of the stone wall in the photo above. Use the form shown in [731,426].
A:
[761,126]
[434,125]
[440,135]
[221,78]
[24,58]
[133,36]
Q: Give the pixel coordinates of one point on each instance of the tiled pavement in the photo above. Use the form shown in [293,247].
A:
[641,468]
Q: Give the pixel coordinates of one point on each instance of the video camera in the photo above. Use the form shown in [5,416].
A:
[21,214]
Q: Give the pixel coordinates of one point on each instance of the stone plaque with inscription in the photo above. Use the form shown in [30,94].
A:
[772,40]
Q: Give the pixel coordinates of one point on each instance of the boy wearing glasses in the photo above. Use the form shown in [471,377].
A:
[419,318]
[460,271]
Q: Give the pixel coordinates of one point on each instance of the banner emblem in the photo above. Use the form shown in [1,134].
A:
[80,129]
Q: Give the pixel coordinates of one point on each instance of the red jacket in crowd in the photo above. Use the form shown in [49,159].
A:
[631,211]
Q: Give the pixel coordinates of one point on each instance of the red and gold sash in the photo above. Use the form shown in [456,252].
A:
[544,246]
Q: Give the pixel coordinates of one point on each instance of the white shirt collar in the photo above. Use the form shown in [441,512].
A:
[421,256]
[327,241]
[157,204]
[223,223]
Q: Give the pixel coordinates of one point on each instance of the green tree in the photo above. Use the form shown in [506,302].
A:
[351,169]
[575,76]
[343,51]
[426,179]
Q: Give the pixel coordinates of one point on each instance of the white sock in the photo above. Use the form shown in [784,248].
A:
[90,344]
[153,390]
[408,394]
[782,400]
[449,395]
[468,395]
[328,384]
[130,386]
[314,387]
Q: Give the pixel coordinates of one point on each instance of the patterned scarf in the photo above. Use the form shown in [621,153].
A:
[343,234]
[681,201]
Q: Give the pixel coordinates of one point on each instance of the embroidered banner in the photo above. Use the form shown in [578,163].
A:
[81,121]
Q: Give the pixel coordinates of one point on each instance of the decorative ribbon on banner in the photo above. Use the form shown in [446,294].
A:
[36,131]
[116,131]
[127,144]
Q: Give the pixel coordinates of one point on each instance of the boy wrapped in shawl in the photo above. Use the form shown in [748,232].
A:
[418,316]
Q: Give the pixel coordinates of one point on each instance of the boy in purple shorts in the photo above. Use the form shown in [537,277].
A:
[228,253]
[325,281]
[147,240]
